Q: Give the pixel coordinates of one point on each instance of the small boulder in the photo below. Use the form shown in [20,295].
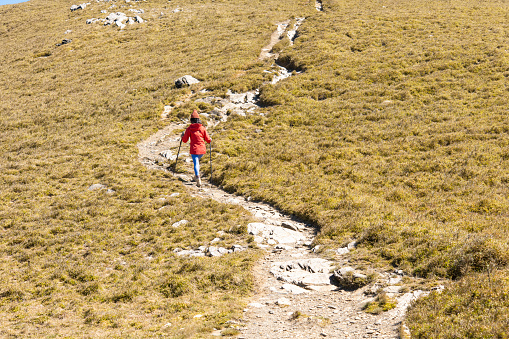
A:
[213,252]
[223,250]
[167,154]
[349,278]
[95,187]
[179,223]
[186,80]
[342,251]
[65,41]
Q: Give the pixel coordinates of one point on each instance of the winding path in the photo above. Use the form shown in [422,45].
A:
[292,298]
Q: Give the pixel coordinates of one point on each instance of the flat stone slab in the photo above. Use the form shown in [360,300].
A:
[293,289]
[306,273]
[277,234]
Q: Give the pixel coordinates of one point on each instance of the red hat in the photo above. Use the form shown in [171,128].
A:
[195,115]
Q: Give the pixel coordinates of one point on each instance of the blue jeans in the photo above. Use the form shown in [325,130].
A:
[196,162]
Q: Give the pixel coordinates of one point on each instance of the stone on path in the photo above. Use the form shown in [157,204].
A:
[277,234]
[290,288]
[309,273]
[168,155]
[350,278]
[290,225]
[342,251]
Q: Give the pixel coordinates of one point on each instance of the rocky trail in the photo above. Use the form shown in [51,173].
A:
[299,294]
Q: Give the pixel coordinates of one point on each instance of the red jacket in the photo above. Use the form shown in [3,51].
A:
[198,135]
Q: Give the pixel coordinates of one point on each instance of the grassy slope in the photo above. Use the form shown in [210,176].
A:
[79,261]
[421,180]
[396,134]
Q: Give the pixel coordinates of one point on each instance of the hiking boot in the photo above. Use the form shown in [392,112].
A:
[198,180]
[194,179]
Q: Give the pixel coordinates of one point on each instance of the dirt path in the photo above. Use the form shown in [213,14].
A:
[296,295]
[318,310]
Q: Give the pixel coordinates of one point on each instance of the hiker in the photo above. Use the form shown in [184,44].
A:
[198,135]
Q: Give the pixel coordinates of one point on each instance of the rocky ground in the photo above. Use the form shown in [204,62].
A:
[299,294]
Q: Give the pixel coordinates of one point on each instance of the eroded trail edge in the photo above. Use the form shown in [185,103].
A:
[299,293]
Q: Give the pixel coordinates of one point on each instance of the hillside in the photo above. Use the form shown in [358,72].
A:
[391,132]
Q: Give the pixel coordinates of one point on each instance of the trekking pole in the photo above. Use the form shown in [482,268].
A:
[210,146]
[175,168]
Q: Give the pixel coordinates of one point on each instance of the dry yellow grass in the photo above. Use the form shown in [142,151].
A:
[86,263]
[396,134]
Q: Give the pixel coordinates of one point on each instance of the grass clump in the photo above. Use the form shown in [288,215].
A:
[477,306]
[382,303]
[298,315]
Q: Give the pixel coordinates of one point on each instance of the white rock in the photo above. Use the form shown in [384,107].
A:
[186,80]
[273,222]
[290,225]
[95,187]
[276,233]
[213,252]
[223,250]
[179,223]
[120,24]
[395,280]
[293,289]
[342,251]
[167,154]
[392,289]
[238,98]
[238,248]
[352,245]
[317,279]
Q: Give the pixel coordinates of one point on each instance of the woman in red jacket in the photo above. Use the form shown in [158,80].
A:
[198,135]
